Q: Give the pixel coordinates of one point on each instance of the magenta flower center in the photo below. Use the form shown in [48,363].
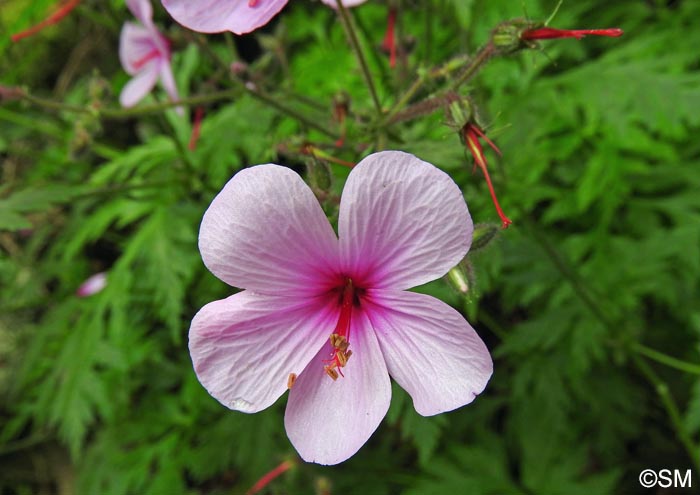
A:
[348,298]
[153,54]
[253,3]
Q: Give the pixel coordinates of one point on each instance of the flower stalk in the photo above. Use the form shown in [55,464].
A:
[347,22]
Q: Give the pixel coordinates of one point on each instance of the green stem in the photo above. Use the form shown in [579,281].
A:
[481,57]
[265,98]
[314,124]
[585,295]
[119,113]
[671,408]
[569,273]
[662,358]
[347,22]
[492,324]
[116,113]
[474,64]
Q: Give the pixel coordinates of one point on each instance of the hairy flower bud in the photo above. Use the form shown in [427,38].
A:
[459,113]
[460,278]
[484,233]
[506,37]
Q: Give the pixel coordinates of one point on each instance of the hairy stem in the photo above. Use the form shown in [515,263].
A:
[347,22]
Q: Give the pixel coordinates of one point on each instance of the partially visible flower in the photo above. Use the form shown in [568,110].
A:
[92,285]
[144,54]
[215,16]
[546,33]
[237,16]
[329,317]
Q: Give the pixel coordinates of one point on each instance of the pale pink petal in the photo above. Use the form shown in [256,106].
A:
[430,349]
[244,347]
[142,10]
[214,16]
[402,222]
[168,82]
[328,421]
[92,285]
[139,86]
[346,3]
[135,44]
[265,231]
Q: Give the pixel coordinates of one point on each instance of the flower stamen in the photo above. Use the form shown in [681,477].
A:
[339,339]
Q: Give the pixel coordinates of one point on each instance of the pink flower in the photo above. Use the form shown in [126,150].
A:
[238,16]
[329,316]
[92,285]
[144,54]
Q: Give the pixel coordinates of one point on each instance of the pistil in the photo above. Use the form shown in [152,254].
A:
[340,338]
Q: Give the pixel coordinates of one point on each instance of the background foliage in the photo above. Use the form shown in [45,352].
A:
[599,273]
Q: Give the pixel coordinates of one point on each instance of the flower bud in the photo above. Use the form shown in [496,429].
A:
[319,174]
[506,37]
[484,233]
[461,277]
[459,113]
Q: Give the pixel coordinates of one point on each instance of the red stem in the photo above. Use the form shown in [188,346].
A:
[196,127]
[59,14]
[267,478]
[389,43]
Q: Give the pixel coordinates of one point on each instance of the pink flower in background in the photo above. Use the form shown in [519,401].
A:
[237,16]
[329,316]
[144,54]
[92,285]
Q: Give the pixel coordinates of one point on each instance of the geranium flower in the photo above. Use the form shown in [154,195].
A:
[237,16]
[329,316]
[144,54]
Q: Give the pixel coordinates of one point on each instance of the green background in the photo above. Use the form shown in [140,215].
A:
[598,274]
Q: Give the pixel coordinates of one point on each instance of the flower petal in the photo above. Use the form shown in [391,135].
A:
[244,347]
[168,81]
[265,231]
[142,10]
[136,43]
[430,349]
[139,86]
[402,222]
[214,16]
[328,421]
